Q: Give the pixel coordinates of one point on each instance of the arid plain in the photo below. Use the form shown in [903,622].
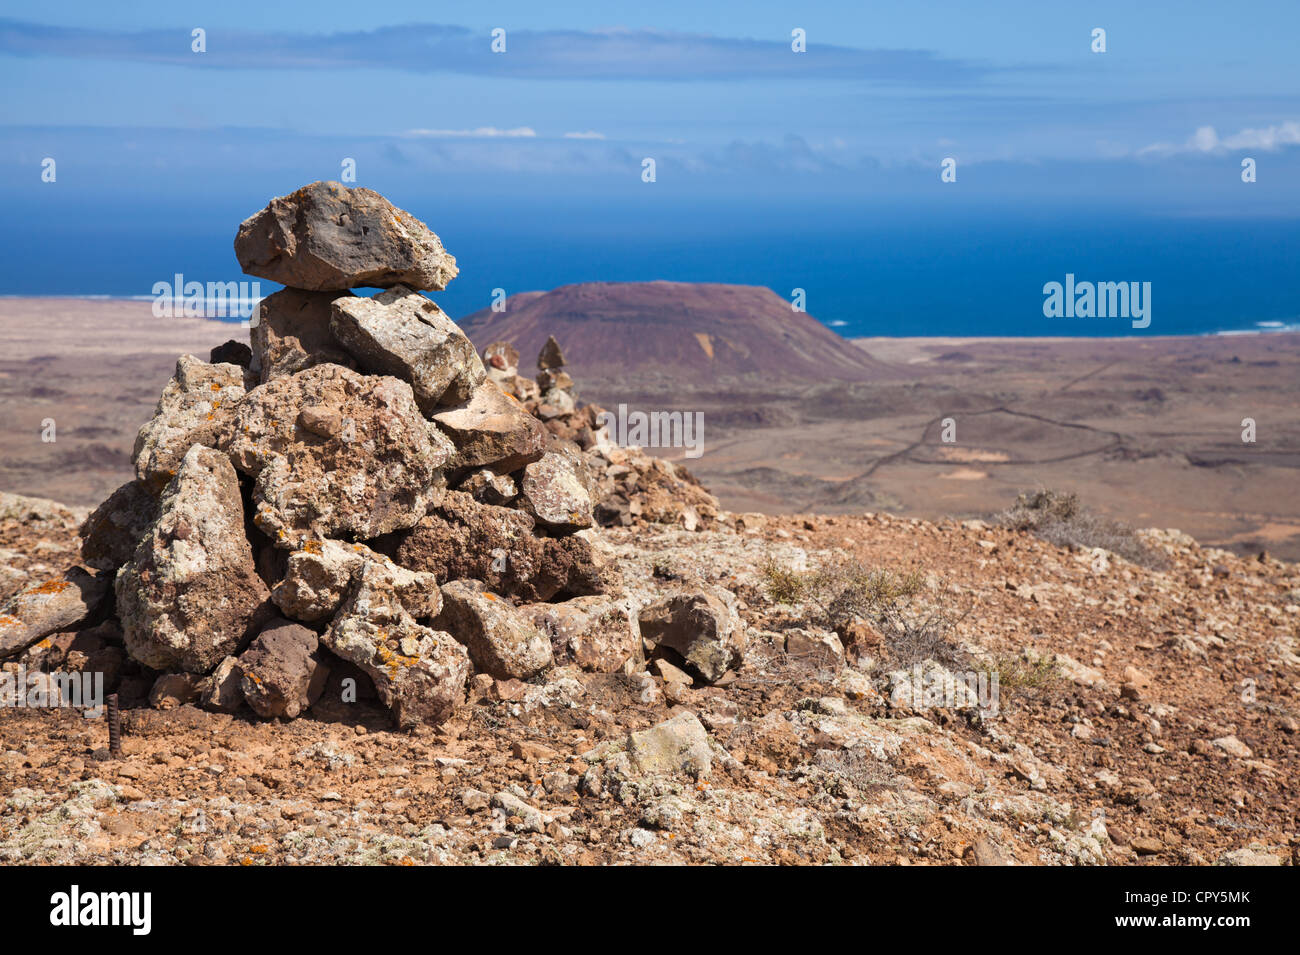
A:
[1148,430]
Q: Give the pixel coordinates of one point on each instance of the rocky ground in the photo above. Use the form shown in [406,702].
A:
[1144,716]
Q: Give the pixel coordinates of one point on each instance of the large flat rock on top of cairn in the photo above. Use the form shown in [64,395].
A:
[190,593]
[403,334]
[327,237]
[336,454]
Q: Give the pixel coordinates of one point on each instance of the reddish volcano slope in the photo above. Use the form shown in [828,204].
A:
[679,330]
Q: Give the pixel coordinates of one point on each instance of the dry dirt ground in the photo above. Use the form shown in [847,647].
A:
[1143,717]
[1149,431]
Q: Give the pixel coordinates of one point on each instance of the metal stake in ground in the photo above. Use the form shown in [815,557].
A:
[114,726]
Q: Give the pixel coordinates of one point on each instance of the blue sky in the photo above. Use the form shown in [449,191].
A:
[146,132]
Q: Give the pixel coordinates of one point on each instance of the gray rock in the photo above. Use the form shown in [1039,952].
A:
[326,236]
[419,673]
[557,490]
[598,633]
[403,334]
[321,574]
[196,407]
[336,454]
[677,745]
[502,642]
[220,690]
[702,627]
[50,607]
[190,594]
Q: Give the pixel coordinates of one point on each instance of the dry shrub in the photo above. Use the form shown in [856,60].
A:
[1059,518]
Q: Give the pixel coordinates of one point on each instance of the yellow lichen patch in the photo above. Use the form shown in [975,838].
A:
[258,849]
[489,596]
[44,644]
[406,860]
[216,386]
[8,621]
[49,587]
[311,547]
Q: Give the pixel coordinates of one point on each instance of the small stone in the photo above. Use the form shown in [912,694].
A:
[282,671]
[1233,747]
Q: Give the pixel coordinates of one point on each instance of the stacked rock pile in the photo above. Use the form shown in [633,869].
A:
[354,494]
[633,488]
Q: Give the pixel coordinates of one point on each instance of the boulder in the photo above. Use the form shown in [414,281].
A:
[334,454]
[321,573]
[493,430]
[702,627]
[292,333]
[50,607]
[196,407]
[815,648]
[598,633]
[677,745]
[419,673]
[110,534]
[403,334]
[281,671]
[190,594]
[556,490]
[326,236]
[465,539]
[502,642]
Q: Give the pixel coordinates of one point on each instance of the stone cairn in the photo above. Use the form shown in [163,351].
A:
[357,494]
[633,488]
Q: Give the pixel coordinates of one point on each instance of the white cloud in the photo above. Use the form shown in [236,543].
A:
[1207,140]
[589,134]
[481,132]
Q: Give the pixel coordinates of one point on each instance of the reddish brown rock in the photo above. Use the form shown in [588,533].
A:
[281,671]
[492,430]
[50,607]
[557,491]
[464,539]
[292,333]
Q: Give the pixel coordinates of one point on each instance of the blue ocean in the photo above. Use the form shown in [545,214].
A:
[865,270]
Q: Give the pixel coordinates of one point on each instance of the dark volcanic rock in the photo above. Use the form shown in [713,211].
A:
[327,237]
[110,534]
[282,672]
[231,353]
[497,545]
